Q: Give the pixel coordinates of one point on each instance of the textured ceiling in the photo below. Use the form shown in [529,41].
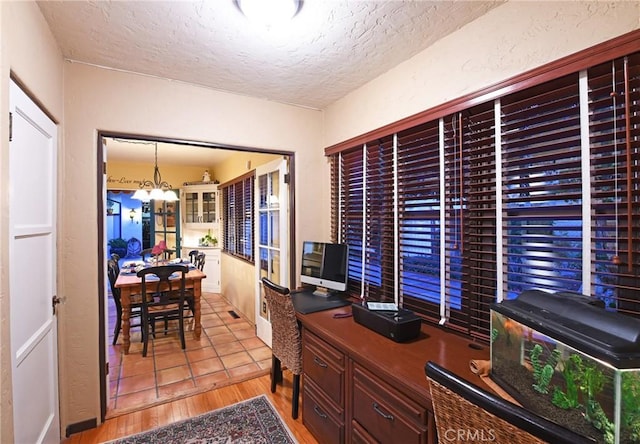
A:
[330,48]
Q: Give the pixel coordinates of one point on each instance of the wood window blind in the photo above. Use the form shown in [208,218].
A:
[419,219]
[237,198]
[352,213]
[542,188]
[614,138]
[419,208]
[470,202]
[379,221]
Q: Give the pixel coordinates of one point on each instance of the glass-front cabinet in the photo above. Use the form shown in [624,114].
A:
[200,206]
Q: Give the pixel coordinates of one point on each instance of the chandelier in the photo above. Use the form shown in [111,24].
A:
[158,189]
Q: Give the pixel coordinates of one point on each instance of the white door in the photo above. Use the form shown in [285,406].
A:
[272,236]
[32,229]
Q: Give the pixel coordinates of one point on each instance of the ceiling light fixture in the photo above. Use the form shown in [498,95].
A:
[269,12]
[160,190]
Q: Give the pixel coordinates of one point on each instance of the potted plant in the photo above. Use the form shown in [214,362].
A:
[118,246]
[208,240]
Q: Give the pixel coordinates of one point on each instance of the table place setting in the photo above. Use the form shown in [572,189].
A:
[133,267]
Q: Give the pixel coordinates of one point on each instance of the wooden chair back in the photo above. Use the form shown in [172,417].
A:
[163,297]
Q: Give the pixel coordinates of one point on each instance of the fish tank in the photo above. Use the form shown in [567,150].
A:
[570,361]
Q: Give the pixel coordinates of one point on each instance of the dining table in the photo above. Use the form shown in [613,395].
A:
[130,284]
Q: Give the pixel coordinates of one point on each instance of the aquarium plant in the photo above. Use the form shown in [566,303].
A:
[542,373]
[569,398]
[631,404]
[494,334]
[591,381]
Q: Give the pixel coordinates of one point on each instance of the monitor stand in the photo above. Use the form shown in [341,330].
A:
[322,292]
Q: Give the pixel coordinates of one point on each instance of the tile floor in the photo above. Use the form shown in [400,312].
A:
[227,352]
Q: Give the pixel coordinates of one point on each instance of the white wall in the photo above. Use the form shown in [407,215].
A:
[29,51]
[100,99]
[508,40]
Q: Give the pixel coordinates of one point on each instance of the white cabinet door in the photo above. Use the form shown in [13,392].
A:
[212,270]
[200,206]
[211,267]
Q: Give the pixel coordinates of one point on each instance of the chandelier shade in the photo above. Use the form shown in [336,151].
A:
[156,190]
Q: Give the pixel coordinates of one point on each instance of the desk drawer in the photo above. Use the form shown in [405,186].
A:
[320,416]
[325,366]
[385,414]
[359,435]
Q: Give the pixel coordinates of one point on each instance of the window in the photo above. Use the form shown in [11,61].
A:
[470,250]
[542,187]
[614,138]
[419,218]
[350,168]
[237,199]
[537,189]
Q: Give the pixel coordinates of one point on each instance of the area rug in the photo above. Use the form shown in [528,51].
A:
[251,421]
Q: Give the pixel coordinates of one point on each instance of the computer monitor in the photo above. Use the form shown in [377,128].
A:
[325,266]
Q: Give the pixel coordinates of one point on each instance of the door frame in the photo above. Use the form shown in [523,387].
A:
[101,171]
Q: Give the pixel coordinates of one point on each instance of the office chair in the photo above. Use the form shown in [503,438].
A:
[461,407]
[163,297]
[286,341]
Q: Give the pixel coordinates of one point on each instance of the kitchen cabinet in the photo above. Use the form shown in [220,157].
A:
[200,206]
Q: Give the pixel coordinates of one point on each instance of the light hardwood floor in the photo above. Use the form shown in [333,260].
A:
[173,411]
[227,352]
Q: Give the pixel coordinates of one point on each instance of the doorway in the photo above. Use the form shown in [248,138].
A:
[126,224]
[184,148]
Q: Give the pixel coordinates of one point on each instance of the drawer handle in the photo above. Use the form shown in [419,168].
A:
[319,412]
[376,407]
[319,362]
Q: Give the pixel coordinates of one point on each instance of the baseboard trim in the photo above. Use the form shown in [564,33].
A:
[81,426]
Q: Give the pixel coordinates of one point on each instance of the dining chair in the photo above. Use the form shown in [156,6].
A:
[462,408]
[200,260]
[286,340]
[147,254]
[134,246]
[166,254]
[193,254]
[163,298]
[135,309]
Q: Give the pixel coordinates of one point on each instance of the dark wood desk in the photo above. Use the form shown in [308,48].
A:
[359,386]
[132,284]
